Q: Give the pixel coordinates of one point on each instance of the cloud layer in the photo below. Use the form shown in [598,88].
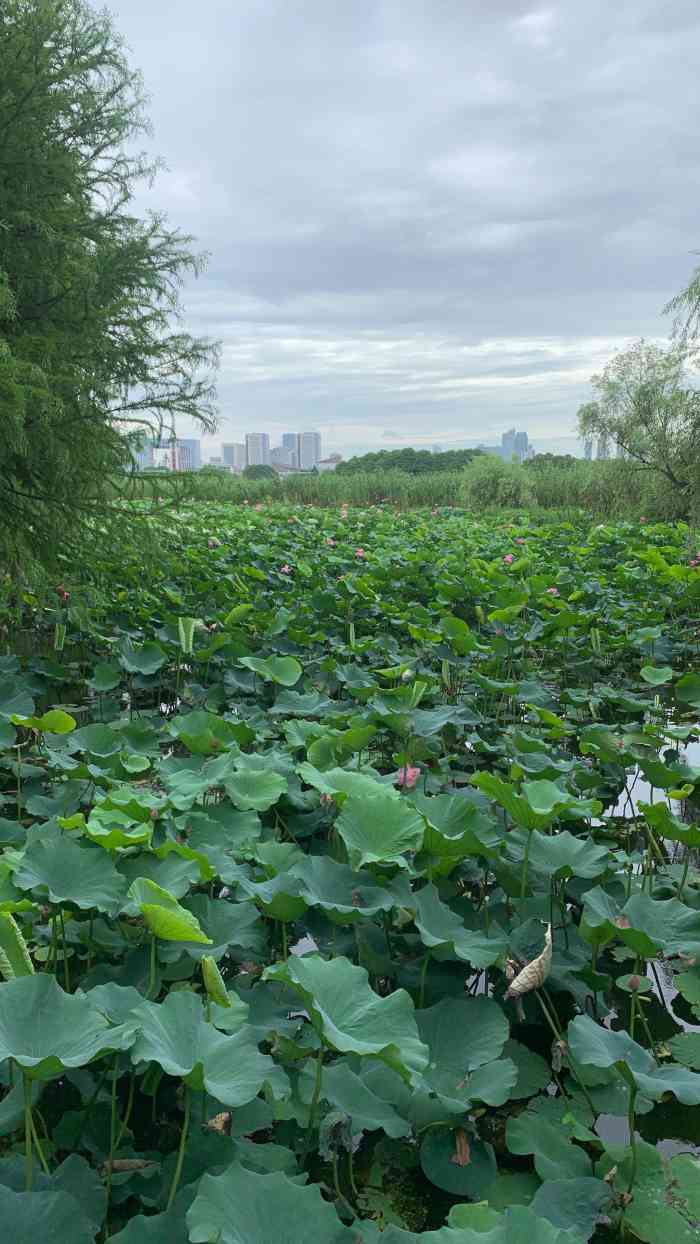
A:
[436,219]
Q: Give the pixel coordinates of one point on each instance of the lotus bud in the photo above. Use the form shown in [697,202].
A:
[633,983]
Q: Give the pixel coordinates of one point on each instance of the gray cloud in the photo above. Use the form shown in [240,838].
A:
[437,217]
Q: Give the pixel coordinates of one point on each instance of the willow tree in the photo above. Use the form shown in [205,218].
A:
[90,339]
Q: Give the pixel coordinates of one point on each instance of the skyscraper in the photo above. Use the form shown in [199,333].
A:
[234,455]
[603,448]
[521,446]
[188,454]
[290,442]
[309,450]
[588,449]
[508,444]
[257,448]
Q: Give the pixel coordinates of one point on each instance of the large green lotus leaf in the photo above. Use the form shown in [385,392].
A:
[343,893]
[15,697]
[346,782]
[147,659]
[167,1228]
[204,733]
[29,1217]
[174,874]
[645,924]
[280,898]
[165,917]
[176,1035]
[518,1225]
[347,1091]
[255,790]
[687,689]
[592,1044]
[223,834]
[559,855]
[226,924]
[686,1049]
[97,739]
[534,1073]
[378,828]
[242,1207]
[556,1157]
[112,829]
[106,676]
[283,670]
[665,1208]
[46,1030]
[573,1204]
[65,871]
[440,929]
[456,828]
[666,825]
[656,675]
[438,1159]
[352,1018]
[74,1176]
[465,1037]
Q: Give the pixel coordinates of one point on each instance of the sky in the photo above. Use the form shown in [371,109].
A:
[427,220]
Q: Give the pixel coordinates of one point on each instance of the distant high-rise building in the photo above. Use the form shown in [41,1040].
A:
[234,456]
[188,454]
[142,450]
[508,444]
[514,445]
[257,449]
[290,442]
[282,456]
[522,446]
[309,450]
[602,448]
[588,449]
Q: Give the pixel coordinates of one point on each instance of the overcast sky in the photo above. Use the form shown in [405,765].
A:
[427,219]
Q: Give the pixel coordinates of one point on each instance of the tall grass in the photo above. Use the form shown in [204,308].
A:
[614,489]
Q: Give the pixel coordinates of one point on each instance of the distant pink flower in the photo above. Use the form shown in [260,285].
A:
[213,543]
[519,540]
[291,520]
[642,519]
[285,569]
[552,591]
[330,541]
[327,800]
[509,557]
[434,511]
[246,502]
[259,505]
[407,777]
[359,552]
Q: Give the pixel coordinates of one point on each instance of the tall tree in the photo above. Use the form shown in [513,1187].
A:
[90,344]
[646,406]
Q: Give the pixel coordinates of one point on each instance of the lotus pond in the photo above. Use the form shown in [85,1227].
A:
[349,884]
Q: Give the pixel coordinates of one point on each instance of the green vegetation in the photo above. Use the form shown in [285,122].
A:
[412,461]
[605,490]
[87,290]
[451,752]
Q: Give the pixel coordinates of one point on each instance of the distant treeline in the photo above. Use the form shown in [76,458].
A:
[412,461]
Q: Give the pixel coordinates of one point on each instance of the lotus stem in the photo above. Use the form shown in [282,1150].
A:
[526,861]
[28,1155]
[631,1120]
[423,974]
[181,1148]
[152,968]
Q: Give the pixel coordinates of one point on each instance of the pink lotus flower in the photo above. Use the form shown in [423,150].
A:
[434,511]
[509,557]
[213,543]
[407,777]
[330,541]
[519,540]
[359,553]
[552,591]
[291,520]
[642,519]
[285,569]
[259,505]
